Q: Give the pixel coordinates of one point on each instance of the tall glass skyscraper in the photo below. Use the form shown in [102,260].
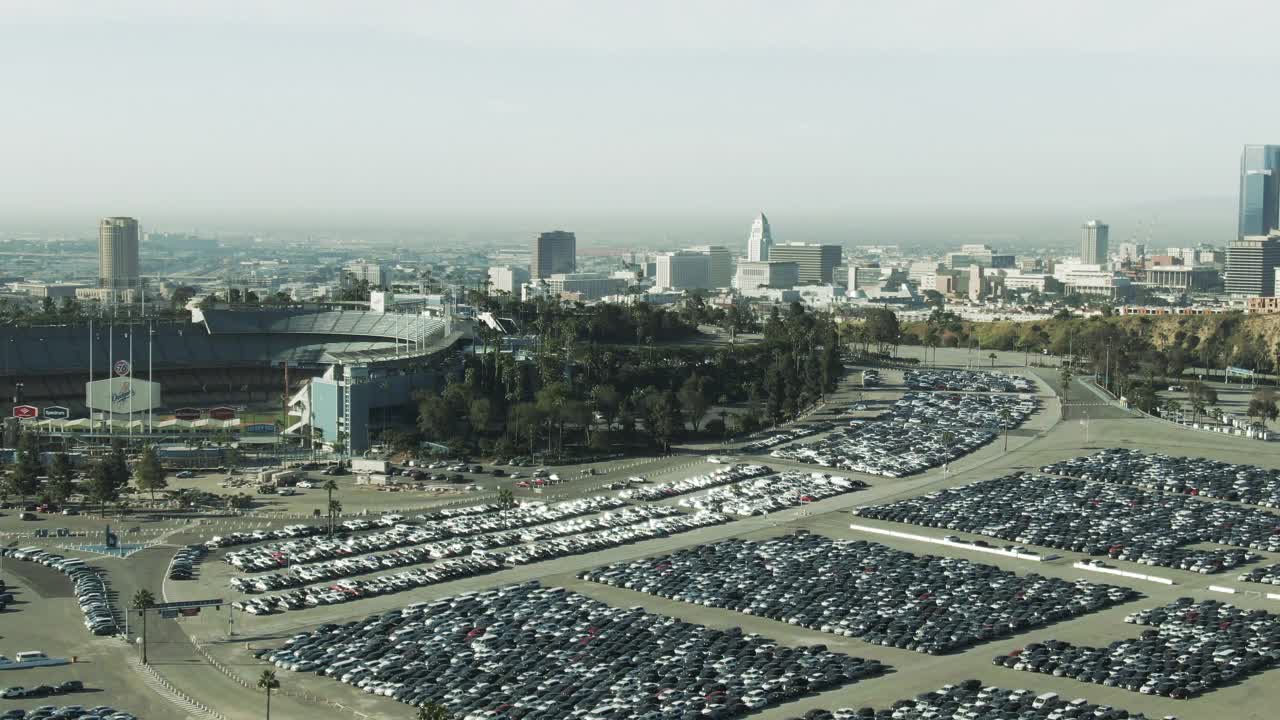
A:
[1259,190]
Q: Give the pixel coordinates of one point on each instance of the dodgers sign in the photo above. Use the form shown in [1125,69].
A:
[122,395]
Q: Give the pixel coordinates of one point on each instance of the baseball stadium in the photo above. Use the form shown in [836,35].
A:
[334,375]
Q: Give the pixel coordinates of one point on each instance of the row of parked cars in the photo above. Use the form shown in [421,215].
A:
[1190,648]
[995,412]
[182,567]
[61,712]
[1267,575]
[771,493]
[773,438]
[976,381]
[1174,473]
[971,700]
[536,653]
[349,590]
[909,437]
[348,567]
[860,589]
[40,691]
[614,537]
[480,561]
[719,476]
[1123,522]
[402,533]
[887,448]
[293,532]
[89,584]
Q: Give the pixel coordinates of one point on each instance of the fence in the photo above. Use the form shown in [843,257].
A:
[297,695]
[1035,557]
[1123,573]
[165,689]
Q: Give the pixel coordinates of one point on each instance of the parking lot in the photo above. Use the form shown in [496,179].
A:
[1178,474]
[535,652]
[1042,440]
[922,429]
[928,604]
[1095,518]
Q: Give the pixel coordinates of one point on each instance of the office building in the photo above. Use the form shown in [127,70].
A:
[1251,265]
[683,270]
[1091,279]
[1093,243]
[372,273]
[107,295]
[753,278]
[760,241]
[982,255]
[863,276]
[1180,277]
[47,290]
[939,282]
[817,263]
[721,264]
[585,286]
[1132,252]
[976,283]
[507,279]
[1018,280]
[918,270]
[554,253]
[118,252]
[1259,191]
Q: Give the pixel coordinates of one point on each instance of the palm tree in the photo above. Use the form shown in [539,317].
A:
[329,486]
[931,341]
[506,498]
[948,437]
[992,356]
[335,509]
[1198,406]
[267,681]
[143,599]
[1004,423]
[433,711]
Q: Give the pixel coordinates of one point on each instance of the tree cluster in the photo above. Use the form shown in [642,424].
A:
[579,395]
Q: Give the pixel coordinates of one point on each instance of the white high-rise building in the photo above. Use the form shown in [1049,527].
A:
[760,241]
[721,264]
[118,252]
[684,270]
[507,278]
[1093,243]
[373,273]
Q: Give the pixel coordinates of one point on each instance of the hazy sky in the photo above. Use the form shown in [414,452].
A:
[927,107]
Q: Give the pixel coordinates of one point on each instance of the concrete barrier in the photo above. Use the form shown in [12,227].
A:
[1222,589]
[1035,557]
[1123,573]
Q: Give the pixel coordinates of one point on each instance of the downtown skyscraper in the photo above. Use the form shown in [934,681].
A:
[554,253]
[1259,190]
[760,241]
[118,252]
[1094,242]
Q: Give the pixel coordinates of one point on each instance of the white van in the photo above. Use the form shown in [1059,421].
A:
[1046,700]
